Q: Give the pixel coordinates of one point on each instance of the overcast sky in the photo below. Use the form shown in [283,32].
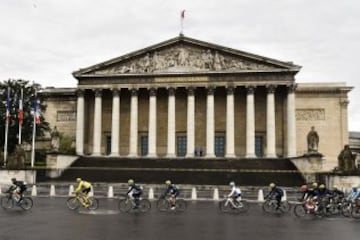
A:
[46,40]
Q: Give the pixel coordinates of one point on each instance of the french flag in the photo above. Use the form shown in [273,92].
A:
[8,103]
[21,110]
[36,110]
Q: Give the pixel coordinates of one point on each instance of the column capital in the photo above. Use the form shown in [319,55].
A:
[171,91]
[230,89]
[291,87]
[271,88]
[116,92]
[80,92]
[210,90]
[191,90]
[344,103]
[152,91]
[98,92]
[250,89]
[134,91]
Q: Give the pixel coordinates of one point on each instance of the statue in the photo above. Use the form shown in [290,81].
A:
[55,139]
[313,140]
[346,160]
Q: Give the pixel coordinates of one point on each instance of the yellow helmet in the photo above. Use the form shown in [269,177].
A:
[322,186]
[130,181]
[168,182]
[78,179]
[335,187]
[272,185]
[314,185]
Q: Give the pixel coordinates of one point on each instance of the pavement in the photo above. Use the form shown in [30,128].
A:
[50,219]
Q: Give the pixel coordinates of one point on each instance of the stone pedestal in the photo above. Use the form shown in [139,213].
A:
[309,165]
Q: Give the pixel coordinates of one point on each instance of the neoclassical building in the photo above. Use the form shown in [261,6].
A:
[185,98]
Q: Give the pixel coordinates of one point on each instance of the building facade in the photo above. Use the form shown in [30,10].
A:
[189,98]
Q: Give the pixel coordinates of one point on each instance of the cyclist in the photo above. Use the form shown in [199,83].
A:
[337,193]
[85,188]
[235,193]
[18,188]
[354,194]
[323,194]
[275,192]
[172,191]
[135,192]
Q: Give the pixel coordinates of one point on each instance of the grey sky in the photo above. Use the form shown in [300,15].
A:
[46,40]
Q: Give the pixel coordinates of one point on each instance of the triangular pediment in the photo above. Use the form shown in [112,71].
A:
[185,55]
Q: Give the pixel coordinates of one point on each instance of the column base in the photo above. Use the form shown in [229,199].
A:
[170,155]
[114,155]
[80,153]
[271,156]
[132,155]
[230,156]
[210,156]
[152,155]
[190,155]
[96,154]
[250,156]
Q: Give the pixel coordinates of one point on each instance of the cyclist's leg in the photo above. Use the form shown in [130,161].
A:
[86,196]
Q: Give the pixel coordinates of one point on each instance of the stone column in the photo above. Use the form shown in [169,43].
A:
[152,123]
[291,122]
[97,123]
[115,123]
[210,123]
[270,122]
[171,124]
[190,143]
[250,122]
[133,145]
[80,123]
[230,119]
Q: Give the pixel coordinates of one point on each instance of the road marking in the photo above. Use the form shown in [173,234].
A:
[99,212]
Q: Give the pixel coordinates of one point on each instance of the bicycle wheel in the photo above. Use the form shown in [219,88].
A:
[144,205]
[162,205]
[299,211]
[268,206]
[243,206]
[346,210]
[224,206]
[7,203]
[285,207]
[26,203]
[72,203]
[125,205]
[355,212]
[180,205]
[94,203]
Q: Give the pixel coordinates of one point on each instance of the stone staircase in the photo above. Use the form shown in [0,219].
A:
[199,171]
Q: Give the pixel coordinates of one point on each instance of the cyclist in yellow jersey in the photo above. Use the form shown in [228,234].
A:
[85,188]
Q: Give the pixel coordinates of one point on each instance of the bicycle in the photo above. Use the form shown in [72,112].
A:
[355,211]
[163,204]
[229,205]
[10,200]
[128,205]
[271,206]
[310,207]
[78,200]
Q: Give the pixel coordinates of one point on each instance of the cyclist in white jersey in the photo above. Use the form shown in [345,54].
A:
[235,193]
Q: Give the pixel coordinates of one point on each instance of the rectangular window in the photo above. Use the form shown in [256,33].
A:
[144,145]
[259,146]
[219,146]
[181,146]
[108,145]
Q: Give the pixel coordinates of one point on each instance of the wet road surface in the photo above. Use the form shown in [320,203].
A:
[50,219]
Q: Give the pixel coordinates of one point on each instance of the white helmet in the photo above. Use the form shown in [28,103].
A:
[232,183]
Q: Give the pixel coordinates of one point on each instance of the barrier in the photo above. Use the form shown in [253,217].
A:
[71,190]
[193,194]
[52,190]
[151,194]
[261,196]
[91,193]
[110,192]
[34,191]
[284,198]
[216,194]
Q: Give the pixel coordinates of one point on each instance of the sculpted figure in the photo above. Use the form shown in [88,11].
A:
[158,61]
[55,139]
[207,59]
[346,160]
[313,140]
[183,56]
[217,62]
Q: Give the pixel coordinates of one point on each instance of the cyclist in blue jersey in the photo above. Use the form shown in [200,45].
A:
[134,191]
[172,191]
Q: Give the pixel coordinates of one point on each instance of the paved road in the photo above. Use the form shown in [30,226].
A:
[50,219]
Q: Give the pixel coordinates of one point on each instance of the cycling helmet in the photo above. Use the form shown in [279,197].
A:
[13,179]
[335,187]
[314,185]
[232,184]
[322,186]
[272,185]
[168,182]
[303,188]
[78,179]
[130,182]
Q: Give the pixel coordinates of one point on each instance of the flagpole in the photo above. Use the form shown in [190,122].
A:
[20,114]
[182,16]
[7,125]
[33,134]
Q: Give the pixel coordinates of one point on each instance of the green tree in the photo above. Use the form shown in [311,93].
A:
[28,106]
